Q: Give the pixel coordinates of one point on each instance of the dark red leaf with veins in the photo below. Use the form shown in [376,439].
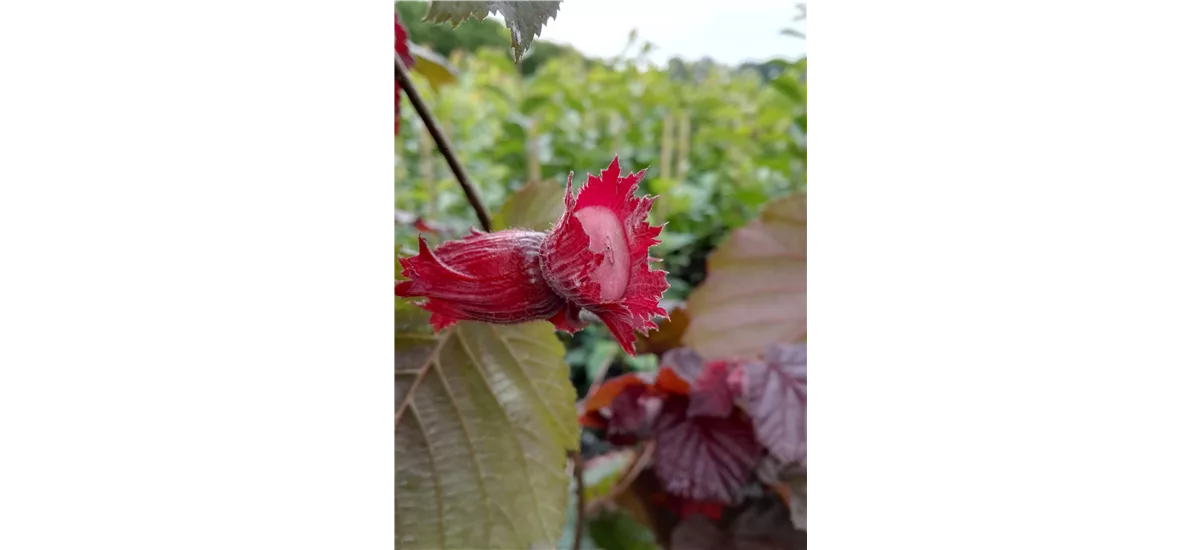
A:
[703,458]
[598,254]
[489,277]
[776,395]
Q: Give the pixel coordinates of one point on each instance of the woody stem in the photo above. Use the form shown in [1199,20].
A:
[443,144]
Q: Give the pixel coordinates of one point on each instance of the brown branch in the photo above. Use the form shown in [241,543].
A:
[577,465]
[443,144]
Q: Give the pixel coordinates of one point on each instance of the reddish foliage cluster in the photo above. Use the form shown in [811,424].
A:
[596,258]
[406,57]
[713,422]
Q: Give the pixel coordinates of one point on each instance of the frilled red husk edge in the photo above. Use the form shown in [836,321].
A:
[575,263]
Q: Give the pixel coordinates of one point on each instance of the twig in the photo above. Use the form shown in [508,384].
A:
[640,461]
[443,144]
[577,464]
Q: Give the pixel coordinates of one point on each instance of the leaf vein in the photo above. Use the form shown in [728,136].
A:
[512,429]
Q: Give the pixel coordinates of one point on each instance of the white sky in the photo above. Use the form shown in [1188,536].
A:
[728,31]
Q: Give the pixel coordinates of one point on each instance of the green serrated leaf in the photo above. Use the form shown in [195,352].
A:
[535,206]
[485,416]
[524,19]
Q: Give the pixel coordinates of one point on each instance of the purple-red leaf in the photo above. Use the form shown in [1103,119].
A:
[685,362]
[406,57]
[710,392]
[756,288]
[703,458]
[711,395]
[628,414]
[776,396]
